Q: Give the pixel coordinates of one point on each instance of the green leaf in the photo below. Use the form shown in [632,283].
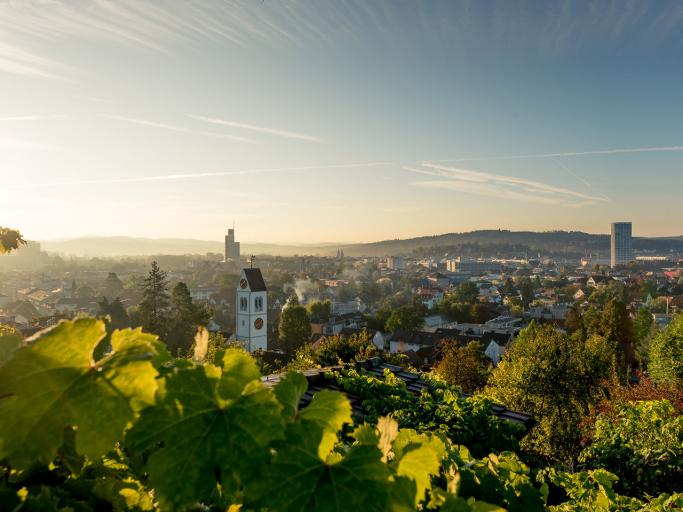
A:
[9,343]
[456,504]
[210,428]
[418,458]
[297,479]
[54,383]
[239,368]
[329,410]
[289,392]
[419,463]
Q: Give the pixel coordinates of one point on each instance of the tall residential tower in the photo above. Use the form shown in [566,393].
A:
[621,244]
[232,248]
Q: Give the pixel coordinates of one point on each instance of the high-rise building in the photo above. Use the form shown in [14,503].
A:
[621,244]
[232,248]
[252,310]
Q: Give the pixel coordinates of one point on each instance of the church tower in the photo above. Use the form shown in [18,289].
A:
[252,310]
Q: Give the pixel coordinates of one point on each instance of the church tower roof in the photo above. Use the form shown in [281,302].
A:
[255,280]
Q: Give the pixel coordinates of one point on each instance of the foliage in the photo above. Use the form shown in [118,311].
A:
[501,479]
[593,491]
[666,353]
[153,308]
[406,319]
[10,240]
[319,311]
[465,367]
[616,325]
[184,318]
[440,408]
[118,316]
[344,349]
[643,329]
[642,445]
[55,383]
[136,430]
[555,378]
[465,293]
[295,326]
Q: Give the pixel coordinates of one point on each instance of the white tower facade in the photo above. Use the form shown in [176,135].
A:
[252,310]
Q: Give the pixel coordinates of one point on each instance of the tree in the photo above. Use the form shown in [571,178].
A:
[295,326]
[153,308]
[184,318]
[553,377]
[574,321]
[345,349]
[481,313]
[378,321]
[666,353]
[465,367]
[113,287]
[616,325]
[466,293]
[509,289]
[319,311]
[643,327]
[10,240]
[405,318]
[118,317]
[526,289]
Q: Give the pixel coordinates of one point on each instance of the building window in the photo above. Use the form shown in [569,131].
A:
[258,303]
[243,303]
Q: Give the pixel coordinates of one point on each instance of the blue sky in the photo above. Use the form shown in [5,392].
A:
[315,121]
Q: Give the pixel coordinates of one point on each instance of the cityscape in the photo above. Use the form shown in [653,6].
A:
[341,256]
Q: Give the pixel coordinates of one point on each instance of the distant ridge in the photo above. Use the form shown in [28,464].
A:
[565,242]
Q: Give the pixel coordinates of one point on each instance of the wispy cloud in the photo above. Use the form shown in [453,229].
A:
[655,149]
[11,144]
[501,186]
[18,61]
[187,176]
[31,118]
[260,129]
[163,126]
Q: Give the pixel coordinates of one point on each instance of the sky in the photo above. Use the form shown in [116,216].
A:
[316,121]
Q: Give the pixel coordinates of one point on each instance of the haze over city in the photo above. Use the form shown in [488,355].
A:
[308,122]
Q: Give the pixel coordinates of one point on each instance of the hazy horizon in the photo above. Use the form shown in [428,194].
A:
[321,122]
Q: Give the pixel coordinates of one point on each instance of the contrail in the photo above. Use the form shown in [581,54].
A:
[564,167]
[571,153]
[170,177]
[261,129]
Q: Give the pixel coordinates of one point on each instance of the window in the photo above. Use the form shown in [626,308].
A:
[258,303]
[243,303]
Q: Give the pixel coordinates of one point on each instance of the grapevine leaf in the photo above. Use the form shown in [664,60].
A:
[239,368]
[419,462]
[456,504]
[297,479]
[53,383]
[9,343]
[329,410]
[289,392]
[209,428]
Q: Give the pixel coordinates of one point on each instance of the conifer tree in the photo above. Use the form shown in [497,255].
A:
[155,301]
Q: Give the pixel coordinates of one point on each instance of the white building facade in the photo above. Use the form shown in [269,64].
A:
[252,310]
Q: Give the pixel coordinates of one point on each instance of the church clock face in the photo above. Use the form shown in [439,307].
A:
[243,283]
[258,323]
